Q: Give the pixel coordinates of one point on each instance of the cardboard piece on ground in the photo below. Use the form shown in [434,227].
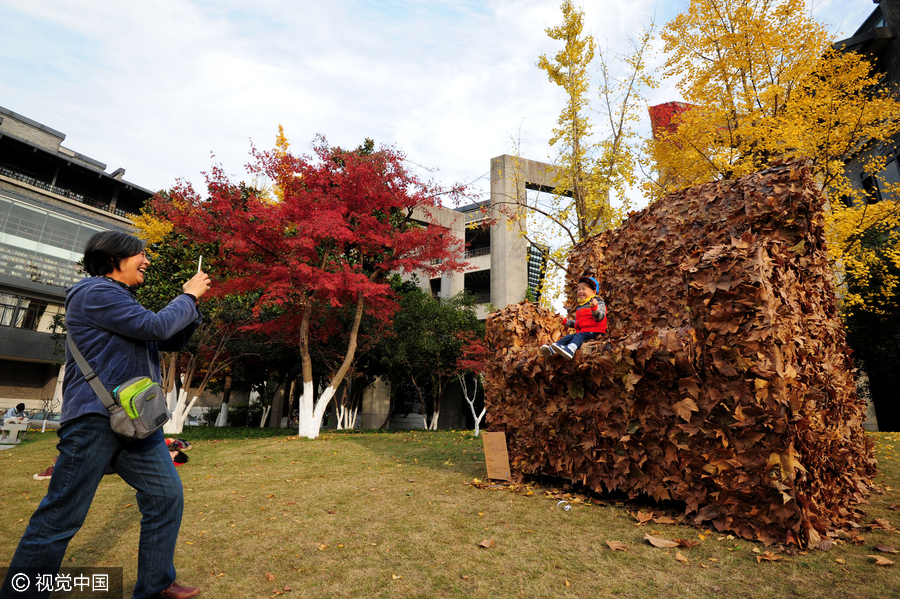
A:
[495,455]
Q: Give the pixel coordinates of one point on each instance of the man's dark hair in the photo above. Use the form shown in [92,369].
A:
[104,251]
[20,407]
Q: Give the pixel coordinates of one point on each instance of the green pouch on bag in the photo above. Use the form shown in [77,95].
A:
[130,395]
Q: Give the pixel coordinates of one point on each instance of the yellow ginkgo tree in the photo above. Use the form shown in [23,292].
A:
[763,82]
[587,172]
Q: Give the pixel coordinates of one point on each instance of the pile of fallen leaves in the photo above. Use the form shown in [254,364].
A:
[725,381]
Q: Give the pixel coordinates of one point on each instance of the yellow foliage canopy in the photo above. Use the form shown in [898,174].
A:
[765,84]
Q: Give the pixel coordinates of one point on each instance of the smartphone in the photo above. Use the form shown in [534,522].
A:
[199,264]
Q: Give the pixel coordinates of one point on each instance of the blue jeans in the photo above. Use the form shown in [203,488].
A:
[577,339]
[86,445]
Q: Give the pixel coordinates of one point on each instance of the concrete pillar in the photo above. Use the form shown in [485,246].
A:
[509,276]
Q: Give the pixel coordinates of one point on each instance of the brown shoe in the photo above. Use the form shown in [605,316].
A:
[176,591]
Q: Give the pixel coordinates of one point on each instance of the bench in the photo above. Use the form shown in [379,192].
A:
[9,433]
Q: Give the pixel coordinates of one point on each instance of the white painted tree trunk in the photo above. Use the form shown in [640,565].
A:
[311,411]
[57,391]
[434,421]
[340,412]
[222,420]
[471,402]
[179,413]
[262,421]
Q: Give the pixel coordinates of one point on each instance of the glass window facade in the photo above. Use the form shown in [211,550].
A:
[41,246]
[27,313]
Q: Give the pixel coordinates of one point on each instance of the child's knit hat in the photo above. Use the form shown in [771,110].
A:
[590,282]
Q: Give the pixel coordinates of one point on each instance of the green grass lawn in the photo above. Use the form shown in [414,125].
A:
[390,515]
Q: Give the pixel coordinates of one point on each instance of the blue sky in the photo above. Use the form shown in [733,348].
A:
[157,87]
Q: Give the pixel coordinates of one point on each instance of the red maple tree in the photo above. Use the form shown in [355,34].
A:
[344,221]
[472,363]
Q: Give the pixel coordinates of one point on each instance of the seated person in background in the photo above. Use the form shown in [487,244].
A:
[16,414]
[589,321]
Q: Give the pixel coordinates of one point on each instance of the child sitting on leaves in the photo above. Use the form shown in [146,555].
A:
[589,321]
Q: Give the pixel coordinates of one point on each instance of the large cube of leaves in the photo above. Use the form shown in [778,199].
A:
[725,381]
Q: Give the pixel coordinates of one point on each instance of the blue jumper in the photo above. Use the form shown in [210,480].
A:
[119,338]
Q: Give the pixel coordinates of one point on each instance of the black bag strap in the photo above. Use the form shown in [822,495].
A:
[89,375]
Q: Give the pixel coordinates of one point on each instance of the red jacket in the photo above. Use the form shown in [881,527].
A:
[588,320]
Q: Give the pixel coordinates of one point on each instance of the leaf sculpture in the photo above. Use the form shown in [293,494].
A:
[725,381]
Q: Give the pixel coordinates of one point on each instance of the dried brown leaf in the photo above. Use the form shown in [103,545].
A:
[660,542]
[643,518]
[768,556]
[680,557]
[881,560]
[617,545]
[487,543]
[886,549]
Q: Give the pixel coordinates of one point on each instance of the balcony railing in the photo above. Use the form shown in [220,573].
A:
[66,193]
[485,251]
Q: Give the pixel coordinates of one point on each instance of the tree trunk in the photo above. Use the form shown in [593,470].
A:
[312,410]
[471,401]
[277,405]
[222,420]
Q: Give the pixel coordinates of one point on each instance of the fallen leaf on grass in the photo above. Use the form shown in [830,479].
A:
[886,549]
[685,543]
[825,544]
[840,561]
[665,520]
[396,576]
[882,524]
[568,584]
[895,507]
[681,557]
[287,588]
[881,561]
[487,543]
[617,545]
[857,539]
[643,518]
[768,556]
[323,547]
[660,542]
[270,576]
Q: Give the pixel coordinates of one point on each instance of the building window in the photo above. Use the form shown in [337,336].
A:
[27,313]
[478,283]
[435,287]
[39,246]
[478,242]
[883,185]
[537,267]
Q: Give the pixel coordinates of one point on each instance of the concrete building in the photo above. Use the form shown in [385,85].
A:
[877,39]
[52,200]
[503,264]
[503,267]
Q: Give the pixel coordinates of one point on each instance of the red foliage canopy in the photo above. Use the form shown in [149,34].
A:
[346,221]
